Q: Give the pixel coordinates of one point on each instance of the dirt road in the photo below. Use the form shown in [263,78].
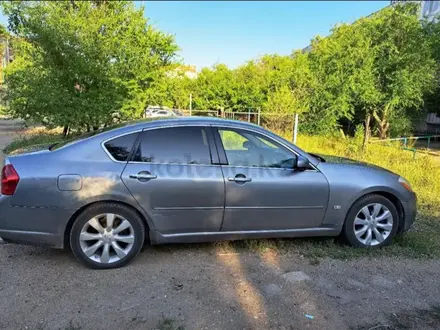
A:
[208,287]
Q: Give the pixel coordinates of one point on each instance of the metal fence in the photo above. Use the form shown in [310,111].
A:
[287,124]
[428,144]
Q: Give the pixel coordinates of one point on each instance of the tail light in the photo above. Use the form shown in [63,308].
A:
[10,180]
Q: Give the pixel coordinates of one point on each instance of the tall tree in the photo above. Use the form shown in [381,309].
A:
[83,63]
[378,66]
[403,62]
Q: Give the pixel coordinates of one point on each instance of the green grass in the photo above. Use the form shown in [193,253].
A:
[423,172]
[27,143]
[33,138]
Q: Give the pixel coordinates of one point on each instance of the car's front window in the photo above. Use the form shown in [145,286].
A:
[244,148]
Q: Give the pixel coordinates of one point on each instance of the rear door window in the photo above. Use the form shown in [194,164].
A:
[175,145]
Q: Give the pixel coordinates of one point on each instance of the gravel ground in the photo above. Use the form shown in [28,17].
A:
[202,286]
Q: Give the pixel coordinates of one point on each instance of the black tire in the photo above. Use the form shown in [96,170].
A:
[101,208]
[348,235]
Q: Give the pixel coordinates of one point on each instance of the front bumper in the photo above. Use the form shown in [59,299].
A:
[409,213]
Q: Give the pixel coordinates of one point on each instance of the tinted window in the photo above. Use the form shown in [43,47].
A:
[244,148]
[120,147]
[176,145]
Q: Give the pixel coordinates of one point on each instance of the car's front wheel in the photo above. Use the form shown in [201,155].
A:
[107,235]
[372,221]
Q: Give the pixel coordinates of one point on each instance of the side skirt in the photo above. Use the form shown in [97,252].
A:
[159,238]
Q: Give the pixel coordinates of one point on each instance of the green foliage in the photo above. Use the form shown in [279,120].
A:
[379,65]
[3,30]
[432,97]
[88,64]
[30,142]
[83,64]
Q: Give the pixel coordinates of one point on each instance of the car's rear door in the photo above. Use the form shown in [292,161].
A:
[173,178]
[263,190]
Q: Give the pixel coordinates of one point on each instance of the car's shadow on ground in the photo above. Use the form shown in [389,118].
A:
[41,253]
[47,255]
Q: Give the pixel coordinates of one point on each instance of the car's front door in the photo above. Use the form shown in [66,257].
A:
[172,177]
[263,189]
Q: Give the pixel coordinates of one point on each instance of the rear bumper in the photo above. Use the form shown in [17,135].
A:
[31,238]
[32,225]
[409,212]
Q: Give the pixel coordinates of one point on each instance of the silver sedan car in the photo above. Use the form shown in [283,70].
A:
[192,180]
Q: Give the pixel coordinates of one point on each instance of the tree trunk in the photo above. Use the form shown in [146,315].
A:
[66,130]
[366,132]
[383,130]
[383,124]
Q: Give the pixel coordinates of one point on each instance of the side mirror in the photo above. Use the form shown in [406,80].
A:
[302,163]
[247,145]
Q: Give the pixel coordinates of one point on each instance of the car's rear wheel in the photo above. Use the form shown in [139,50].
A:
[107,235]
[372,221]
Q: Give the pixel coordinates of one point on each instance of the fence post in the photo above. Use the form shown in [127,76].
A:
[190,104]
[259,114]
[295,128]
[249,115]
[429,140]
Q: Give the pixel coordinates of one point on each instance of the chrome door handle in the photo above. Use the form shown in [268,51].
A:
[240,179]
[143,176]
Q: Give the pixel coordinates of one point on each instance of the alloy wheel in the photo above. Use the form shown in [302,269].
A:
[107,238]
[373,224]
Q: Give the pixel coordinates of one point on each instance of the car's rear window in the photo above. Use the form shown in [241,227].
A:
[120,147]
[63,143]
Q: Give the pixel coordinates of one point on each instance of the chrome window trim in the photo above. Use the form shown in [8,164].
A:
[315,169]
[179,164]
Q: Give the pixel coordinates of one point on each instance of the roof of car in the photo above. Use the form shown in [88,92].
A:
[111,132]
[144,123]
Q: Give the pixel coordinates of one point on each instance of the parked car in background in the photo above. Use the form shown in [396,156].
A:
[152,109]
[161,111]
[192,180]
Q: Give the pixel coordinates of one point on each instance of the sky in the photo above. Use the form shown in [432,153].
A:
[233,32]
